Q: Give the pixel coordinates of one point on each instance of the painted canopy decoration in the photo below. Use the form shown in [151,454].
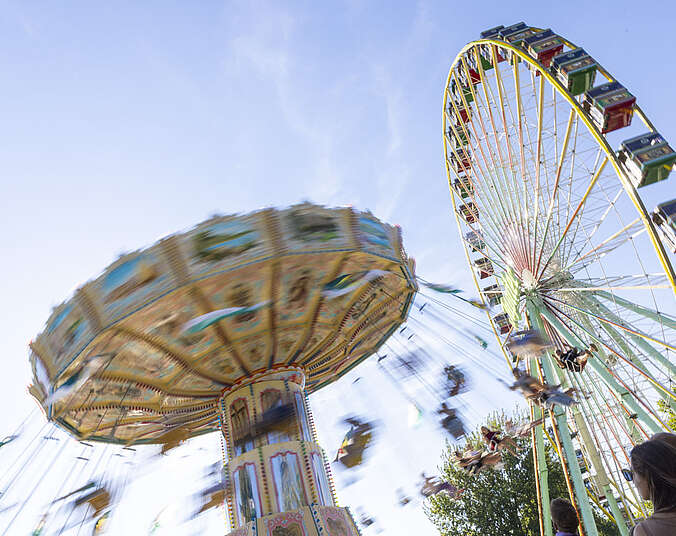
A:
[184,320]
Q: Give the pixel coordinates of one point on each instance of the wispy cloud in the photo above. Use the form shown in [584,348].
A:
[265,44]
[394,171]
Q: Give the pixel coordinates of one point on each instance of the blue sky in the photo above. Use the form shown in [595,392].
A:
[123,122]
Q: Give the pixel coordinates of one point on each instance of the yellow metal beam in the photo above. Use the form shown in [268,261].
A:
[600,139]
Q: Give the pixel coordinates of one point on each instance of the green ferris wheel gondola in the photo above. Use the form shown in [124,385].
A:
[568,247]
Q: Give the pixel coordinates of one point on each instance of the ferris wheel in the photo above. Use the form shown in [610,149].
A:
[544,158]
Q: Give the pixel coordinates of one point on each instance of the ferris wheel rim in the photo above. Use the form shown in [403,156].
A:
[469,164]
[603,144]
[599,139]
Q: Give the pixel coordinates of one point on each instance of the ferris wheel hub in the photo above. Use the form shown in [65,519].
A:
[528,280]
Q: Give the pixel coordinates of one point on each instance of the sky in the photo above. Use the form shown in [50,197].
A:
[124,122]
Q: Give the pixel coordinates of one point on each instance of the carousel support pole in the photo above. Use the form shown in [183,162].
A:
[587,517]
[274,474]
[601,475]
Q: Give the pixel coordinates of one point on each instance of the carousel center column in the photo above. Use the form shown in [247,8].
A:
[277,474]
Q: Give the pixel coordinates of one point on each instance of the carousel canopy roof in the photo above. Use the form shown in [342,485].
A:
[153,342]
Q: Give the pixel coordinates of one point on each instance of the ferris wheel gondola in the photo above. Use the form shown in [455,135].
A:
[540,168]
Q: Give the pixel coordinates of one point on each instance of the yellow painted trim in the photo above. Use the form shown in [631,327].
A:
[600,139]
[455,213]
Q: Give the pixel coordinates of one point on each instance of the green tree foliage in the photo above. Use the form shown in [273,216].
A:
[669,413]
[498,502]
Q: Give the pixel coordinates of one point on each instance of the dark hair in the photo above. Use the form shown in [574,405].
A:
[655,460]
[564,515]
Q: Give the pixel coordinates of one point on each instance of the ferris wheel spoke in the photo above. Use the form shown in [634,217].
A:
[467,137]
[627,355]
[589,212]
[518,127]
[625,236]
[608,377]
[492,196]
[594,172]
[537,155]
[619,282]
[538,162]
[662,318]
[494,131]
[495,226]
[596,289]
[524,210]
[621,326]
[599,223]
[509,186]
[607,245]
[518,244]
[582,202]
[519,111]
[555,187]
[639,259]
[561,192]
[618,385]
[558,144]
[501,181]
[579,174]
[491,229]
[581,284]
[501,97]
[632,229]
[542,164]
[556,126]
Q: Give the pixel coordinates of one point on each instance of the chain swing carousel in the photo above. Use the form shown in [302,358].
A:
[227,328]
